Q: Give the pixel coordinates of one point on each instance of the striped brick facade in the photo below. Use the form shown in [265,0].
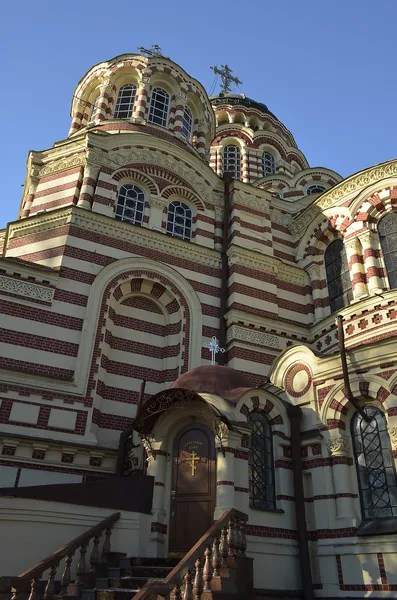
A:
[93,305]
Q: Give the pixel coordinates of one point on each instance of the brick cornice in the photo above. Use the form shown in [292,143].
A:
[267,264]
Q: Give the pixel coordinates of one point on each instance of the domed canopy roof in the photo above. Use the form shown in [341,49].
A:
[214,379]
[241,100]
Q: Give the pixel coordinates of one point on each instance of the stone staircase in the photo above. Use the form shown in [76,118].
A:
[216,568]
[125,577]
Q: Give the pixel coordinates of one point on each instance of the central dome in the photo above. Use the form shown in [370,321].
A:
[214,379]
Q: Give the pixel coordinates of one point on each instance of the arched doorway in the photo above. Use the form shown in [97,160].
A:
[193,490]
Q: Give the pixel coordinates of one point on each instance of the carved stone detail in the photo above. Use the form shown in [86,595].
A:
[252,336]
[393,436]
[64,163]
[266,264]
[339,445]
[26,289]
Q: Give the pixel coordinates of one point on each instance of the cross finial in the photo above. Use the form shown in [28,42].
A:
[155,51]
[227,78]
[214,348]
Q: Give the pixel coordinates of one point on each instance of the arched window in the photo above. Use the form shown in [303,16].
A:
[261,466]
[375,465]
[130,204]
[94,109]
[159,104]
[388,242]
[187,122]
[268,164]
[179,220]
[232,160]
[125,101]
[315,189]
[338,276]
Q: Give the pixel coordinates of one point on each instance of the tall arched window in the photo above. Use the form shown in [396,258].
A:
[187,122]
[375,465]
[268,164]
[94,109]
[159,104]
[130,204]
[261,465]
[179,220]
[388,241]
[232,160]
[125,101]
[315,189]
[338,276]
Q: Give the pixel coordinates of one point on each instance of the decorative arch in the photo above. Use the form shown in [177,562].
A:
[107,281]
[135,174]
[182,192]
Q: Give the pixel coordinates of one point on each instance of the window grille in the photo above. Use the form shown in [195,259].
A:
[338,275]
[179,220]
[388,242]
[130,204]
[375,465]
[268,164]
[315,189]
[261,465]
[232,160]
[159,104]
[187,122]
[94,109]
[125,102]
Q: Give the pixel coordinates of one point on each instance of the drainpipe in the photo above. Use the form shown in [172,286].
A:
[348,392]
[227,179]
[295,414]
[122,449]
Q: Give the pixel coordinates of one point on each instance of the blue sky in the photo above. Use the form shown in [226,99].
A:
[327,69]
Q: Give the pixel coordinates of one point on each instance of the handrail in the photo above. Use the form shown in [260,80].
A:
[68,550]
[229,517]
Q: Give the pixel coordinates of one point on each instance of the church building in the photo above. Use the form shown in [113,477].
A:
[198,357]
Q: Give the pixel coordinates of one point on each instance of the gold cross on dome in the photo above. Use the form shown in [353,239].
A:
[227,78]
[193,459]
[155,51]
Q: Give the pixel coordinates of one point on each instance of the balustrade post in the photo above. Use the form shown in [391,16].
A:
[33,589]
[243,538]
[207,571]
[80,569]
[106,545]
[198,580]
[49,591]
[216,557]
[65,580]
[224,547]
[188,592]
[94,558]
[176,593]
[231,538]
[237,537]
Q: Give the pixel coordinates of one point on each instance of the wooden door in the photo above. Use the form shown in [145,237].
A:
[193,486]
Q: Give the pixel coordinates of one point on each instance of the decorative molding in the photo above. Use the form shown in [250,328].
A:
[26,289]
[333,197]
[357,182]
[116,159]
[39,223]
[252,336]
[280,218]
[255,202]
[77,160]
[267,264]
[147,238]
[339,445]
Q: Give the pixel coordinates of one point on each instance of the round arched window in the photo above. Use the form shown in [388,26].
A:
[125,101]
[130,204]
[179,220]
[232,160]
[268,164]
[315,189]
[388,241]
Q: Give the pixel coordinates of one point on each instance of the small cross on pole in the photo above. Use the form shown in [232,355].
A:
[227,78]
[155,51]
[214,348]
